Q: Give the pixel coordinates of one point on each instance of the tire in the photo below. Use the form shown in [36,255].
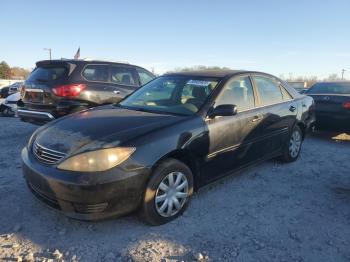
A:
[293,146]
[152,211]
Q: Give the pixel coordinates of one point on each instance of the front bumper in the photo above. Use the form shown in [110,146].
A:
[85,196]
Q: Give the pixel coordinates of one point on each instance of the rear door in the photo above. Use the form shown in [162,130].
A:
[232,139]
[278,110]
[124,81]
[97,79]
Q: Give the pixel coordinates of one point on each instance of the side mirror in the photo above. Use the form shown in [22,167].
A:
[223,110]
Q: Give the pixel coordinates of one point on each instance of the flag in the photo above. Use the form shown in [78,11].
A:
[77,55]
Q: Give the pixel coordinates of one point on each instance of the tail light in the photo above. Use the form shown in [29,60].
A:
[69,90]
[346,105]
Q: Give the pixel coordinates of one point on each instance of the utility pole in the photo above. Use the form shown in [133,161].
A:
[342,74]
[48,49]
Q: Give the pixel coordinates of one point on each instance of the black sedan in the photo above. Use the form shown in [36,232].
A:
[332,104]
[153,149]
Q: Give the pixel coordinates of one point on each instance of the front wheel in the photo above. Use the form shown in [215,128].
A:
[293,146]
[168,192]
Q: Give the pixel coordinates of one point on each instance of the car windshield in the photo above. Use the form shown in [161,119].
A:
[330,88]
[183,95]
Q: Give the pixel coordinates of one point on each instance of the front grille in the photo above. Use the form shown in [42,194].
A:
[45,155]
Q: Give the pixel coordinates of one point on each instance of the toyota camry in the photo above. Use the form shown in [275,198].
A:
[157,146]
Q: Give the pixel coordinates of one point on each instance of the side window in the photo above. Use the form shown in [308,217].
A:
[145,77]
[269,90]
[286,96]
[238,91]
[98,73]
[123,76]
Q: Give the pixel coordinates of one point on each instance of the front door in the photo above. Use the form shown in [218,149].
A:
[232,139]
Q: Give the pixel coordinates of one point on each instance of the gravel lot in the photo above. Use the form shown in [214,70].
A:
[270,212]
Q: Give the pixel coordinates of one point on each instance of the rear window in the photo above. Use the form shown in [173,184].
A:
[330,88]
[47,73]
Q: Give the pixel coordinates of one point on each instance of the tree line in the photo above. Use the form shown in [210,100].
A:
[290,78]
[7,72]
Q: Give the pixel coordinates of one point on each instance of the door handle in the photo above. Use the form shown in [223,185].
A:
[292,108]
[257,118]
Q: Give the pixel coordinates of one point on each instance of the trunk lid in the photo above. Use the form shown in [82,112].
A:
[38,87]
[330,102]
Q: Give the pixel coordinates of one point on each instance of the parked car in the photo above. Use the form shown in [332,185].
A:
[4,92]
[14,88]
[300,86]
[332,104]
[59,87]
[301,90]
[9,106]
[170,137]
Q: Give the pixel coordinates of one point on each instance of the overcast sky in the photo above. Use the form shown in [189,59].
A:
[280,37]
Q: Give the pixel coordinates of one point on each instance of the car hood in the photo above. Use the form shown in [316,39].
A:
[102,127]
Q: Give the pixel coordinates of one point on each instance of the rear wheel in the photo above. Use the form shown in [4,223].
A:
[293,145]
[168,192]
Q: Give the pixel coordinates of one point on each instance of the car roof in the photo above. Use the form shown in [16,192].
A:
[81,61]
[206,73]
[334,82]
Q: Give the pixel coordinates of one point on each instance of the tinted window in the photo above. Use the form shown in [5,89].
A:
[47,73]
[330,88]
[97,73]
[123,76]
[239,92]
[269,90]
[172,94]
[145,77]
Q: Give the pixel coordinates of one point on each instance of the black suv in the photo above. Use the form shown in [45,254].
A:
[59,87]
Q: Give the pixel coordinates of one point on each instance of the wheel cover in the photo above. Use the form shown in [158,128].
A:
[295,144]
[171,194]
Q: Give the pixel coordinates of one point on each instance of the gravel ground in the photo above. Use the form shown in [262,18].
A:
[270,212]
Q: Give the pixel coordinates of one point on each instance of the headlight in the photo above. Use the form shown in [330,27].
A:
[99,160]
